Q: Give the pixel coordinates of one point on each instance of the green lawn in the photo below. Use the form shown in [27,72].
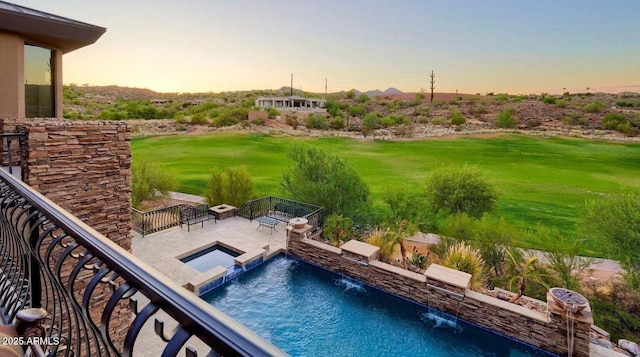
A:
[540,180]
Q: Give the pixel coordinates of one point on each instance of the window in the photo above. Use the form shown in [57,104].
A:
[38,82]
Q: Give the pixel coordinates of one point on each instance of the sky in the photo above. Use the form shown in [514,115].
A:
[500,46]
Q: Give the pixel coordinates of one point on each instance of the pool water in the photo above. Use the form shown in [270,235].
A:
[211,257]
[308,311]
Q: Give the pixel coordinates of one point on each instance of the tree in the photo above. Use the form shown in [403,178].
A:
[460,190]
[149,182]
[325,180]
[337,228]
[232,186]
[615,221]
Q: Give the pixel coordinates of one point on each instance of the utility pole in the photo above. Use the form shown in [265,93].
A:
[325,87]
[291,87]
[433,82]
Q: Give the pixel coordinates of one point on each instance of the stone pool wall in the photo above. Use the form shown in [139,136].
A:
[448,290]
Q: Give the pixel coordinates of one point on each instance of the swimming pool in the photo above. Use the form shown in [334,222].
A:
[211,257]
[308,311]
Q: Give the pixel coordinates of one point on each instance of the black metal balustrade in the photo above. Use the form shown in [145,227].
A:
[157,220]
[93,289]
[12,156]
[281,207]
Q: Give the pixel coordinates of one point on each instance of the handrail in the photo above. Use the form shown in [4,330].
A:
[270,205]
[9,139]
[156,220]
[66,249]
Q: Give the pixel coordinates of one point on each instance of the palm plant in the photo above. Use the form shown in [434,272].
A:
[337,228]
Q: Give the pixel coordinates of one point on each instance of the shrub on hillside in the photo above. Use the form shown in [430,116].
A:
[612,120]
[149,182]
[595,106]
[317,121]
[364,99]
[273,112]
[198,119]
[355,110]
[371,121]
[393,120]
[505,119]
[337,123]
[457,118]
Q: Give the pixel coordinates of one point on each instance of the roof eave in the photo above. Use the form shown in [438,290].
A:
[65,36]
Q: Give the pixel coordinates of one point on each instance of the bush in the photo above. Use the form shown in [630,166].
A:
[291,120]
[439,121]
[337,123]
[505,119]
[355,111]
[612,120]
[364,99]
[317,121]
[460,190]
[332,107]
[393,120]
[463,257]
[549,100]
[337,228]
[273,112]
[225,119]
[149,182]
[371,121]
[457,118]
[595,106]
[232,186]
[325,180]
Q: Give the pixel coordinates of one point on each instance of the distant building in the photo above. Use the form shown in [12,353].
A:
[293,104]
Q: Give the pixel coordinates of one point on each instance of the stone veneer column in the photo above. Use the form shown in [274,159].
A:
[85,167]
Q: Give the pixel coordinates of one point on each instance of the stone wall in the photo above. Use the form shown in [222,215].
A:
[447,290]
[84,167]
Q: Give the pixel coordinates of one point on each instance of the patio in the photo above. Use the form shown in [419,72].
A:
[162,250]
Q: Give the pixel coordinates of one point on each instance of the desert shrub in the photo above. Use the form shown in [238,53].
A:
[502,97]
[463,257]
[225,119]
[616,308]
[457,118]
[332,107]
[149,182]
[258,121]
[393,120]
[423,119]
[595,106]
[355,110]
[409,205]
[350,94]
[371,121]
[273,112]
[481,108]
[561,103]
[198,118]
[291,120]
[612,120]
[317,121]
[364,99]
[460,190]
[336,123]
[505,119]
[548,100]
[232,186]
[439,121]
[324,179]
[180,118]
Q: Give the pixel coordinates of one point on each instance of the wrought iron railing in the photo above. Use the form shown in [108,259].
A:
[100,297]
[281,207]
[12,156]
[156,220]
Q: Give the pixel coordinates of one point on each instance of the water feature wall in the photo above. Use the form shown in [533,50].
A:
[448,290]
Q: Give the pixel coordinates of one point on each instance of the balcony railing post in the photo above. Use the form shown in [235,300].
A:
[9,155]
[34,273]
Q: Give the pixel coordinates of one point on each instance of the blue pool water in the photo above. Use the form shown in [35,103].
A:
[308,311]
[211,257]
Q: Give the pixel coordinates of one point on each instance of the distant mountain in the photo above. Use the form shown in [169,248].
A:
[378,92]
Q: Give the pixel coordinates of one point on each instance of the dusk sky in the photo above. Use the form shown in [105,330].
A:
[517,47]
